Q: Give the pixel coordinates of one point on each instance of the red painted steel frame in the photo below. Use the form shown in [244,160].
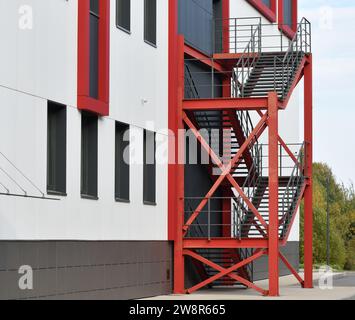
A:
[179,261]
[269,13]
[98,106]
[308,198]
[173,119]
[226,272]
[225,17]
[273,196]
[180,113]
[289,31]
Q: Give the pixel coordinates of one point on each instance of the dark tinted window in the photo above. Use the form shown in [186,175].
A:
[56,148]
[94,48]
[123,16]
[150,21]
[149,178]
[267,3]
[287,12]
[89,155]
[122,162]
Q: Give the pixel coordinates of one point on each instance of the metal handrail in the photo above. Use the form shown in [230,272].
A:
[300,44]
[245,64]
[292,191]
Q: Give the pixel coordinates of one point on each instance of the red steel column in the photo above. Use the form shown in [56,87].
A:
[274,196]
[173,84]
[308,197]
[179,261]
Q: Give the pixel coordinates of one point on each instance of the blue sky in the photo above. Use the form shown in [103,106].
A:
[333,26]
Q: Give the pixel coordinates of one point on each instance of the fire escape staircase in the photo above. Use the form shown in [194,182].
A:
[256,74]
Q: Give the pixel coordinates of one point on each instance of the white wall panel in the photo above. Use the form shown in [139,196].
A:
[41,64]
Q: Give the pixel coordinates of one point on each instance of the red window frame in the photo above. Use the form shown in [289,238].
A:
[288,31]
[98,106]
[268,13]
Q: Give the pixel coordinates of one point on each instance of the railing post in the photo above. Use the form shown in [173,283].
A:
[282,40]
[280,160]
[212,89]
[209,219]
[236,36]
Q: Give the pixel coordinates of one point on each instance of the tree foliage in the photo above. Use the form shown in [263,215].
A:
[342,219]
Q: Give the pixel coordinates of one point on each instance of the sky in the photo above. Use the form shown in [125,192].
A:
[333,45]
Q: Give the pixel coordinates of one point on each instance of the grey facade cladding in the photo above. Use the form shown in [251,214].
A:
[196,23]
[87,269]
[291,251]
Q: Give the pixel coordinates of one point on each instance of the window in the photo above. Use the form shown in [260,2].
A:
[288,11]
[93,56]
[94,48]
[123,14]
[122,166]
[150,21]
[149,175]
[56,149]
[89,156]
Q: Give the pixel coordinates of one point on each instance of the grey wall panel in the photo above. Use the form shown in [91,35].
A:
[291,252]
[202,77]
[196,23]
[87,270]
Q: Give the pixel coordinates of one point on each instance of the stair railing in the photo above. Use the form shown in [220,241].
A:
[301,44]
[249,188]
[247,61]
[190,85]
[292,192]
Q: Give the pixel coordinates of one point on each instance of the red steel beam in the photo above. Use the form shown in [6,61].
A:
[289,152]
[218,243]
[225,272]
[291,268]
[246,104]
[308,198]
[202,58]
[179,263]
[297,77]
[273,196]
[226,171]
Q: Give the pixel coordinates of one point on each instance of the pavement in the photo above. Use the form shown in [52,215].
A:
[338,286]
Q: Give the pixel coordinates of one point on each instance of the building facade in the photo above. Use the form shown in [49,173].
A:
[88,93]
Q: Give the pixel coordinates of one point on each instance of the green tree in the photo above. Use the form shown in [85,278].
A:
[342,219]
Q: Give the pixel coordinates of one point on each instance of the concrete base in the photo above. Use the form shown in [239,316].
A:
[343,289]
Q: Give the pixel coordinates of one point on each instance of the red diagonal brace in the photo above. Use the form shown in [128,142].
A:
[259,129]
[289,267]
[289,152]
[225,272]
